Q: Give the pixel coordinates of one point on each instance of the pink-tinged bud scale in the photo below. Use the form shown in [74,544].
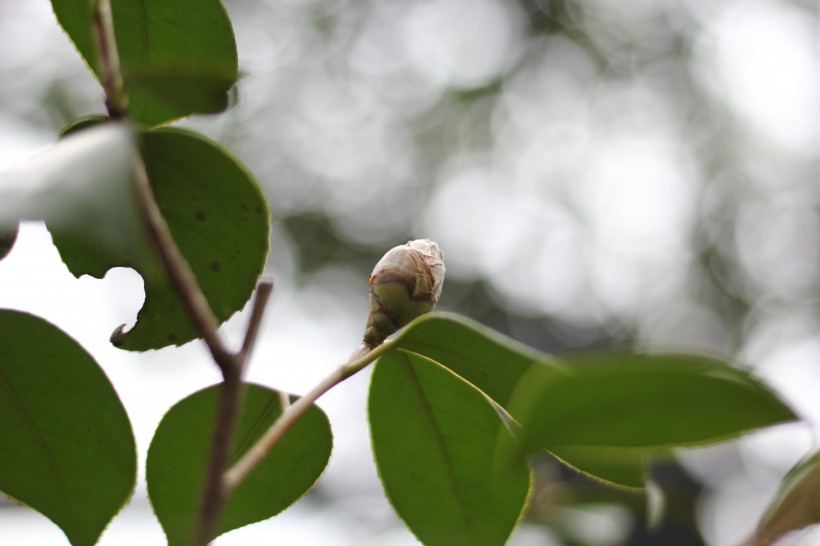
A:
[405,284]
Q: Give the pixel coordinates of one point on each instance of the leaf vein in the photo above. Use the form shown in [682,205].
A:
[440,442]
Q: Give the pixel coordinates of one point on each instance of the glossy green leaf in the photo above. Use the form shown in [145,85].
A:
[797,504]
[650,401]
[178,457]
[438,444]
[220,221]
[66,448]
[177,57]
[491,362]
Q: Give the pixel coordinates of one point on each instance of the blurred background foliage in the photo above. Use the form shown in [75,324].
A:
[596,172]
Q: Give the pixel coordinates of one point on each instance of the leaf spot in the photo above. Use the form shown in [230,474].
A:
[216,267]
[200,216]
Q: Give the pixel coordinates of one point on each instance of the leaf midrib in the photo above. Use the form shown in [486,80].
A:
[439,440]
[62,488]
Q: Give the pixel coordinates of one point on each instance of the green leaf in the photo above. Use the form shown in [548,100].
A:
[439,447]
[213,205]
[496,365]
[177,57]
[67,449]
[500,368]
[220,221]
[797,504]
[623,467]
[178,458]
[649,401]
[491,362]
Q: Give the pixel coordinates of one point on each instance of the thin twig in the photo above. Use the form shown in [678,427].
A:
[260,303]
[179,272]
[116,100]
[360,358]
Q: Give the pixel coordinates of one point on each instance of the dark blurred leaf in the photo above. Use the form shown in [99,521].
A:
[82,188]
[182,89]
[8,237]
[83,122]
[650,401]
[212,203]
[615,466]
[167,49]
[796,505]
[178,458]
[438,444]
[66,448]
[220,221]
[319,245]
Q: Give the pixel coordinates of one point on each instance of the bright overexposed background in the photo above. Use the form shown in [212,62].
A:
[594,170]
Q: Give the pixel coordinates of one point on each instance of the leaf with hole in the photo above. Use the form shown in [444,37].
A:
[178,458]
[220,221]
[177,57]
[440,449]
[67,449]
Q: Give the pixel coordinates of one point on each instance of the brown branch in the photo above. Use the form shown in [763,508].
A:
[182,278]
[116,100]
[230,364]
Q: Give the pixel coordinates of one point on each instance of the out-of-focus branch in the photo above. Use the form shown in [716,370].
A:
[116,100]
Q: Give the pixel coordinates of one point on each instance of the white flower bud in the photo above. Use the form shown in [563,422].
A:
[405,284]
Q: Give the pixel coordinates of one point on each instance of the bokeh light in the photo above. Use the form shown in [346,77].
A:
[596,172]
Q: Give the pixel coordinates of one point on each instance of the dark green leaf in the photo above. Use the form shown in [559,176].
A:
[650,401]
[7,240]
[66,448]
[796,505]
[83,122]
[616,466]
[180,90]
[178,456]
[438,444]
[491,362]
[169,50]
[220,221]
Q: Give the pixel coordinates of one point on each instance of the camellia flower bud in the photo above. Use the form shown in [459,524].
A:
[406,283]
